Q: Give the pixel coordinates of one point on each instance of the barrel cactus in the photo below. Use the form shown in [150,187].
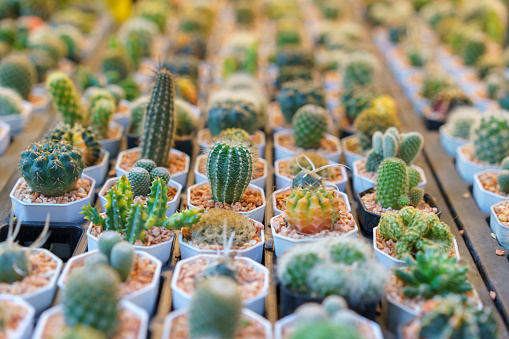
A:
[225,114]
[309,126]
[66,98]
[297,93]
[491,137]
[10,102]
[51,168]
[18,73]
[235,134]
[359,69]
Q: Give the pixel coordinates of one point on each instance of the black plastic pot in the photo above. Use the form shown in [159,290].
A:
[185,145]
[369,220]
[433,124]
[63,240]
[132,140]
[346,131]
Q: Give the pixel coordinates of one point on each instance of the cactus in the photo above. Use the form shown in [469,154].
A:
[211,295]
[80,137]
[225,114]
[107,240]
[51,168]
[91,299]
[160,120]
[488,64]
[447,99]
[140,181]
[119,254]
[309,126]
[138,110]
[235,134]
[85,78]
[118,203]
[18,73]
[491,137]
[293,56]
[10,102]
[460,121]
[292,73]
[146,164]
[503,176]
[185,218]
[413,231]
[355,100]
[116,65]
[101,113]
[433,273]
[230,169]
[433,83]
[160,172]
[157,203]
[310,162]
[474,48]
[50,42]
[135,228]
[73,39]
[183,65]
[42,62]
[66,99]
[297,93]
[359,69]
[130,88]
[186,119]
[82,332]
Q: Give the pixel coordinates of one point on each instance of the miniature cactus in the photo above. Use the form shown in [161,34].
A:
[119,254]
[359,69]
[183,219]
[356,100]
[474,48]
[186,119]
[116,65]
[101,113]
[118,203]
[292,73]
[51,168]
[297,93]
[293,56]
[433,83]
[140,181]
[42,62]
[460,121]
[309,126]
[230,169]
[18,73]
[235,134]
[310,162]
[160,119]
[160,172]
[503,176]
[157,203]
[491,137]
[10,102]
[146,164]
[138,110]
[225,114]
[66,99]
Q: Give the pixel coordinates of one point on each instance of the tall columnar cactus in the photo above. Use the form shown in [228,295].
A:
[297,93]
[309,126]
[18,73]
[491,137]
[221,293]
[66,98]
[160,120]
[10,102]
[503,176]
[312,210]
[100,115]
[116,65]
[230,169]
[225,114]
[51,168]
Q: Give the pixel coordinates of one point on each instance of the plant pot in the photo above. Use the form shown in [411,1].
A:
[144,298]
[350,157]
[25,325]
[185,145]
[397,314]
[43,100]
[99,171]
[123,117]
[361,183]
[501,231]
[484,198]
[18,121]
[168,321]
[124,305]
[433,124]
[172,204]
[5,137]
[345,132]
[466,168]
[132,140]
[278,211]
[204,143]
[63,239]
[256,214]
[283,181]
[180,177]
[182,299]
[450,143]
[111,145]
[34,212]
[369,220]
[391,262]
[283,243]
[283,152]
[200,177]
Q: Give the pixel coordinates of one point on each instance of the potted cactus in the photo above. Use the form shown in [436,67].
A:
[330,319]
[309,133]
[187,121]
[444,101]
[135,128]
[230,164]
[257,139]
[29,272]
[353,102]
[359,68]
[14,110]
[202,319]
[491,186]
[488,147]
[138,271]
[91,308]
[51,183]
[438,275]
[17,317]
[456,132]
[156,142]
[499,222]
[313,271]
[391,144]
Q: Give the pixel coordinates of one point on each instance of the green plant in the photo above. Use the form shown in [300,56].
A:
[10,102]
[49,41]
[309,126]
[460,121]
[116,65]
[293,56]
[291,73]
[503,176]
[490,136]
[160,172]
[66,98]
[309,161]
[42,62]
[100,115]
[228,113]
[160,119]
[131,89]
[287,37]
[230,169]
[18,73]
[235,134]
[143,29]
[85,78]
[138,110]
[51,168]
[186,118]
[475,47]
[140,181]
[433,83]
[182,219]
[117,253]
[297,93]
[448,98]
[359,69]
[357,99]
[414,231]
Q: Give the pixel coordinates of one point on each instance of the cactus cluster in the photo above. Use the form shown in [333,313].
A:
[460,121]
[18,73]
[10,102]
[413,231]
[503,176]
[143,174]
[357,99]
[490,136]
[297,93]
[309,126]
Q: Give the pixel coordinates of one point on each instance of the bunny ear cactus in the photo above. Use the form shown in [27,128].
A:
[491,137]
[297,93]
[225,114]
[18,73]
[309,126]
[392,183]
[66,98]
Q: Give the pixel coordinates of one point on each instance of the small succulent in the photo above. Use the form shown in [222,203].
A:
[490,135]
[460,121]
[503,176]
[10,102]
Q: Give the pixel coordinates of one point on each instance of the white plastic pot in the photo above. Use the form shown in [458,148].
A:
[182,299]
[172,204]
[484,198]
[283,244]
[145,298]
[25,326]
[111,145]
[204,144]
[40,91]
[282,152]
[180,177]
[5,137]
[466,168]
[448,142]
[140,313]
[278,211]
[397,314]
[256,214]
[35,212]
[501,231]
[99,171]
[18,121]
[123,118]
[350,157]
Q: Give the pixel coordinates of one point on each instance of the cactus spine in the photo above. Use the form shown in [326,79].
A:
[65,97]
[309,126]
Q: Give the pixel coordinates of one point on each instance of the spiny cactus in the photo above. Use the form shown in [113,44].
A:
[355,100]
[297,93]
[359,69]
[185,218]
[51,168]
[131,89]
[119,254]
[460,121]
[116,65]
[186,119]
[49,41]
[302,161]
[10,102]
[85,78]
[66,98]
[503,176]
[18,73]
[474,48]
[228,113]
[309,126]
[160,172]
[160,120]
[140,181]
[138,110]
[100,114]
[491,137]
[235,134]
[229,168]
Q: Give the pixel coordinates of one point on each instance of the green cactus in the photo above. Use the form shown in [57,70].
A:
[135,228]
[503,176]
[293,56]
[157,141]
[235,134]
[474,48]
[118,203]
[228,113]
[157,203]
[185,218]
[297,93]
[50,42]
[66,98]
[292,73]
[73,39]
[186,119]
[91,299]
[140,181]
[160,172]
[18,73]
[433,83]
[309,161]
[85,78]
[42,62]
[134,46]
[460,121]
[359,69]
[138,110]
[309,126]
[230,169]
[116,65]
[355,100]
[491,137]
[146,164]
[122,259]
[10,102]
[131,89]
[100,114]
[107,240]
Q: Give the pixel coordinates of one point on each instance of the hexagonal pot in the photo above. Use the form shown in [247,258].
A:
[112,144]
[283,152]
[182,299]
[18,121]
[5,137]
[484,198]
[99,171]
[278,211]
[350,156]
[500,230]
[466,168]
[204,145]
[25,326]
[449,142]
